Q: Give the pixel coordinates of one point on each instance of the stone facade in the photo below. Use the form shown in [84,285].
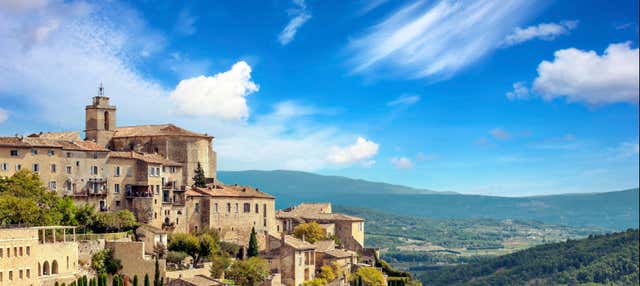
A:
[349,229]
[134,261]
[38,255]
[292,258]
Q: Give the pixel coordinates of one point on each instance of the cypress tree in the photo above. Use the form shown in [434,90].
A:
[146,280]
[63,284]
[252,251]
[135,280]
[199,180]
[114,281]
[56,284]
[156,274]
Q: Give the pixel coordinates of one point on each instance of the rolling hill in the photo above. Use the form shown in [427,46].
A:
[612,210]
[610,259]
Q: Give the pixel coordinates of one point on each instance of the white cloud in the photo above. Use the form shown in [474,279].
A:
[404,100]
[585,76]
[429,40]
[401,162]
[627,150]
[4,115]
[499,133]
[360,151]
[544,31]
[59,68]
[427,157]
[221,96]
[186,23]
[520,91]
[370,5]
[299,15]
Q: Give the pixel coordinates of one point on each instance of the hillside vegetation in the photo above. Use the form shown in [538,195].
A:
[610,259]
[612,210]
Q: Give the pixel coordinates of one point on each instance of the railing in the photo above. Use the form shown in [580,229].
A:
[105,236]
[139,194]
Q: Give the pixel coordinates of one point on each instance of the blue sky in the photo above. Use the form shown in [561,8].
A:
[488,97]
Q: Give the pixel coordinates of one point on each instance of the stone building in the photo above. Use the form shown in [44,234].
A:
[292,258]
[349,229]
[38,255]
[232,210]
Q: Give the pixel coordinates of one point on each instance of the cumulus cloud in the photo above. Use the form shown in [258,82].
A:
[222,95]
[401,162]
[426,39]
[520,91]
[4,115]
[500,134]
[404,100]
[585,76]
[298,16]
[360,151]
[544,31]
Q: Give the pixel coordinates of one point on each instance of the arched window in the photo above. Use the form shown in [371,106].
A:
[106,120]
[54,267]
[39,270]
[45,268]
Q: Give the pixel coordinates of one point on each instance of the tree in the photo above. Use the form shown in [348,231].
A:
[146,280]
[104,262]
[199,180]
[135,280]
[326,273]
[156,274]
[220,262]
[25,200]
[195,246]
[369,276]
[252,251]
[248,272]
[310,232]
[118,221]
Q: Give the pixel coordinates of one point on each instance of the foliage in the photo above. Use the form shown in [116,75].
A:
[197,247]
[252,250]
[310,232]
[103,262]
[600,259]
[121,220]
[326,273]
[220,262]
[199,180]
[248,272]
[146,280]
[231,248]
[315,282]
[156,274]
[369,276]
[176,257]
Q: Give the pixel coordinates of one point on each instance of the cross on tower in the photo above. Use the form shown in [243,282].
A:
[100,90]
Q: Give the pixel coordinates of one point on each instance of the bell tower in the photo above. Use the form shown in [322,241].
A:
[100,119]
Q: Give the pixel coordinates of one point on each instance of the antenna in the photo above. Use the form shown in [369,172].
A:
[100,90]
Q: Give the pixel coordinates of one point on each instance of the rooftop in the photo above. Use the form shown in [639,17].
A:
[145,157]
[220,190]
[34,142]
[307,211]
[155,130]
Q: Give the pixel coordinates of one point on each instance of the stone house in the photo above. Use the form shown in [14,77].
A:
[292,258]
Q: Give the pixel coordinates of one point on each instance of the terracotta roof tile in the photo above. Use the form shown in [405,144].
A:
[313,212]
[67,135]
[229,191]
[30,142]
[145,157]
[155,130]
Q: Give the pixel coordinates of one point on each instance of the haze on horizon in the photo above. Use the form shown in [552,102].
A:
[509,98]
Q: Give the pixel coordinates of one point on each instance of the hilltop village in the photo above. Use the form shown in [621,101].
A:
[152,171]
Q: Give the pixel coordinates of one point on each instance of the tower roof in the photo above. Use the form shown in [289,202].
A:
[155,130]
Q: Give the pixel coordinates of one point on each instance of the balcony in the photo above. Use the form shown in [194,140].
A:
[138,192]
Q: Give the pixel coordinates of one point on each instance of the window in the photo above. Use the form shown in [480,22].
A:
[117,203]
[14,153]
[20,250]
[117,172]
[215,207]
[127,188]
[20,274]
[28,273]
[116,188]
[10,275]
[228,207]
[247,207]
[36,168]
[257,208]
[157,189]
[197,207]
[68,169]
[1,252]
[68,154]
[8,252]
[157,171]
[53,185]
[67,185]
[264,222]
[28,250]
[152,172]
[18,167]
[95,155]
[53,168]
[264,210]
[51,152]
[4,167]
[94,170]
[236,207]
[77,163]
[34,151]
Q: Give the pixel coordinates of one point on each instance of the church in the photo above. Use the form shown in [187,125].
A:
[147,169]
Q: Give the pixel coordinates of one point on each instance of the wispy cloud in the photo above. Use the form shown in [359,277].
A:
[401,162]
[299,15]
[623,26]
[544,31]
[370,5]
[186,23]
[4,115]
[520,91]
[404,100]
[500,134]
[428,40]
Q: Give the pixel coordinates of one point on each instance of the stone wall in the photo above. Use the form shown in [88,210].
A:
[131,255]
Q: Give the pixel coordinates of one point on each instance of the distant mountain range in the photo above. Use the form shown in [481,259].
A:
[612,210]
